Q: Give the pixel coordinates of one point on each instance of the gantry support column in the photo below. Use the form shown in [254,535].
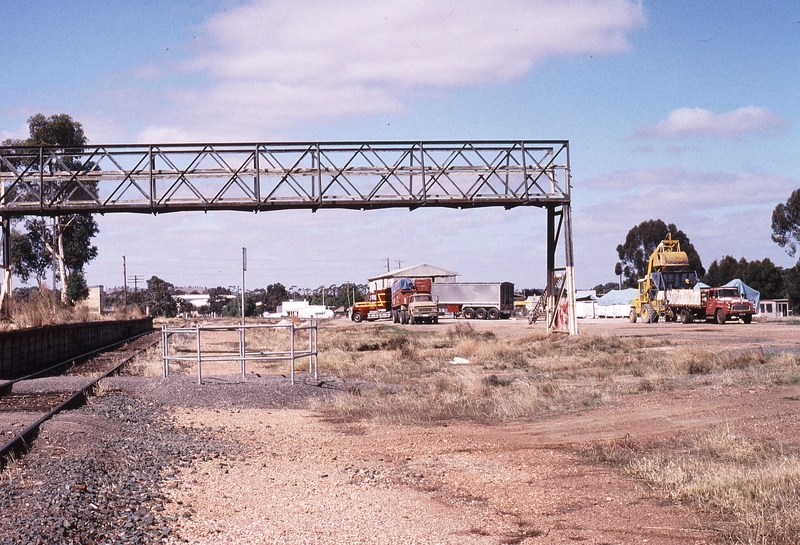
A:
[5,289]
[560,280]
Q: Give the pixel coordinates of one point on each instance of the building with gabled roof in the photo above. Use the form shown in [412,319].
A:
[423,270]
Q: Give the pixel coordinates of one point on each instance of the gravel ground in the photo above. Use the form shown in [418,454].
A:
[102,473]
[153,460]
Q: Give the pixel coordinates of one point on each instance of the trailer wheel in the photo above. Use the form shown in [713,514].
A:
[493,314]
[686,317]
[633,316]
[720,316]
[747,318]
[480,313]
[357,317]
[403,317]
[469,313]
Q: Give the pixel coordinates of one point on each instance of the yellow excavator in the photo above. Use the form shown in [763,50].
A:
[667,269]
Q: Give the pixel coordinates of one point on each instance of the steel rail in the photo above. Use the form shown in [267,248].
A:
[6,386]
[21,444]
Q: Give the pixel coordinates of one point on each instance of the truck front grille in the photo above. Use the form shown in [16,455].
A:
[740,308]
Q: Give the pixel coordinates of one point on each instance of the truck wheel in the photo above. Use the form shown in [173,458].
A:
[435,319]
[747,318]
[720,316]
[411,319]
[480,313]
[493,314]
[633,316]
[403,317]
[686,317]
[469,313]
[357,317]
[394,317]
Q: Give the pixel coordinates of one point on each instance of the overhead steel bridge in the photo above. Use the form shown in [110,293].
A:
[255,177]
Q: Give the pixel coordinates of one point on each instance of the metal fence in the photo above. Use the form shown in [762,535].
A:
[292,353]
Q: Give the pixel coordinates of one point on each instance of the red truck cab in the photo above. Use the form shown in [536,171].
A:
[722,304]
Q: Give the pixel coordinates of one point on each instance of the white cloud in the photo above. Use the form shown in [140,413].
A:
[693,189]
[722,213]
[275,63]
[686,123]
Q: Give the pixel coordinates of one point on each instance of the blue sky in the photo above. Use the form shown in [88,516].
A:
[680,110]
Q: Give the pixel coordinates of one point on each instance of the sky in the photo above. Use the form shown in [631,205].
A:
[676,110]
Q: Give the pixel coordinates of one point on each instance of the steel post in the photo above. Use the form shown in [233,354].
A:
[199,359]
[291,349]
[5,290]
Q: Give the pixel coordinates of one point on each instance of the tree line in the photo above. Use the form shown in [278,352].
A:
[773,281]
[161,298]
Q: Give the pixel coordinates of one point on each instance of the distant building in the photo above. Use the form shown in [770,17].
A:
[586,304]
[385,280]
[301,309]
[197,299]
[94,302]
[774,308]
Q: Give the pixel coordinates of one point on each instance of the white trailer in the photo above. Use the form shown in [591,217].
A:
[481,300]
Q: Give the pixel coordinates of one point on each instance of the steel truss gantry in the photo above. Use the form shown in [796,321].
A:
[255,177]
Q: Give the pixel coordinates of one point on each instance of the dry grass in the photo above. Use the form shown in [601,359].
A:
[420,375]
[755,485]
[148,364]
[41,308]
[410,376]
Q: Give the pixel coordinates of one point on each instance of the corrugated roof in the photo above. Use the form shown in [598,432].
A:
[423,270]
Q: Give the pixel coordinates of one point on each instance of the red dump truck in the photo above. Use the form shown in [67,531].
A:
[412,302]
[717,304]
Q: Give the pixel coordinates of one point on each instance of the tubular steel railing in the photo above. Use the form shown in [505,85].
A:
[242,355]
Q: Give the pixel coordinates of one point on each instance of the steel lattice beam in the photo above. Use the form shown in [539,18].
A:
[253,177]
[149,178]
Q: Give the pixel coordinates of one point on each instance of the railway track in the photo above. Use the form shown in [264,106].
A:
[23,411]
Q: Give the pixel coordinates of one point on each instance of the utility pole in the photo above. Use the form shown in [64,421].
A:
[125,280]
[136,279]
[387,265]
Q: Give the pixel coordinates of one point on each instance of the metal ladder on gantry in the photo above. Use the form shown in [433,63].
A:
[257,177]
